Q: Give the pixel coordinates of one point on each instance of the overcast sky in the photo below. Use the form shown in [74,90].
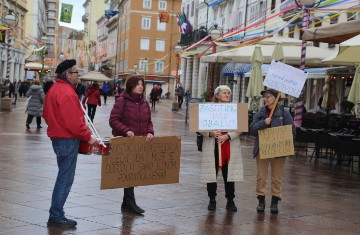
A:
[78,12]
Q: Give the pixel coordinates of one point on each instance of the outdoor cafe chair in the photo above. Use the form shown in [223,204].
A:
[323,145]
[303,139]
[345,151]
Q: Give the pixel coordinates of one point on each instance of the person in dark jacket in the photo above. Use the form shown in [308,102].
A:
[47,85]
[92,98]
[131,116]
[154,96]
[36,101]
[105,90]
[261,121]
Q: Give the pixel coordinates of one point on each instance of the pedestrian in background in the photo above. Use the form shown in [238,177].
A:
[80,90]
[131,116]
[105,90]
[47,85]
[34,109]
[180,94]
[232,166]
[261,121]
[92,99]
[154,96]
[16,91]
[66,127]
[118,91]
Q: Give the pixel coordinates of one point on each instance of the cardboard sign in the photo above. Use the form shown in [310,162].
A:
[285,78]
[135,162]
[276,142]
[218,116]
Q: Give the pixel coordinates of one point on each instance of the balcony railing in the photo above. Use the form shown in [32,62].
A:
[288,15]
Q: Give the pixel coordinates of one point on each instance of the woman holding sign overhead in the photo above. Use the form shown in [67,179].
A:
[261,121]
[131,116]
[231,160]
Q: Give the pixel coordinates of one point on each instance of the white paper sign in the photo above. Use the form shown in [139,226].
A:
[285,78]
[218,116]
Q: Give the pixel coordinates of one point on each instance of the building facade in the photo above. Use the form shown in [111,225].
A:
[12,55]
[144,44]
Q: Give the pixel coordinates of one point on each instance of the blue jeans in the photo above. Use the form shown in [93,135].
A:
[66,151]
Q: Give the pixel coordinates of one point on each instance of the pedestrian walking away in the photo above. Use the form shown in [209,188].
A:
[231,165]
[92,99]
[105,90]
[66,127]
[16,91]
[131,116]
[180,91]
[34,109]
[262,121]
[154,96]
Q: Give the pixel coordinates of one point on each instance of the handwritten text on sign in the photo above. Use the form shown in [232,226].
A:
[218,116]
[134,162]
[285,78]
[276,142]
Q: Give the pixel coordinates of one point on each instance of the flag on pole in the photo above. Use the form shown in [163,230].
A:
[66,13]
[183,23]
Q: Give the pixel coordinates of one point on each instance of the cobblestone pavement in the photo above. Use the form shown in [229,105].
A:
[315,199]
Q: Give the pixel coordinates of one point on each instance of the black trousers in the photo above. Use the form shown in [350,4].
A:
[153,103]
[229,186]
[105,98]
[30,118]
[91,111]
[180,100]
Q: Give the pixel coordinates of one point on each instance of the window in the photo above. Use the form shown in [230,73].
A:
[146,22]
[162,5]
[187,9]
[192,8]
[52,5]
[51,30]
[161,26]
[351,16]
[147,4]
[126,45]
[51,14]
[159,66]
[51,22]
[160,45]
[291,31]
[143,63]
[144,44]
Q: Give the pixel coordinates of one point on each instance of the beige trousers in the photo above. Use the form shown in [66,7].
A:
[276,171]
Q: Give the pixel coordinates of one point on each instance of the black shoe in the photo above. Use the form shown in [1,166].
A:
[274,205]
[39,127]
[27,126]
[212,205]
[131,208]
[230,206]
[61,222]
[261,207]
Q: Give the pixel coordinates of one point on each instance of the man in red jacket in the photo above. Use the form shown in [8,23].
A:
[66,127]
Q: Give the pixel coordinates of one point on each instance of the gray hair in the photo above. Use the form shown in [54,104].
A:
[218,90]
[63,74]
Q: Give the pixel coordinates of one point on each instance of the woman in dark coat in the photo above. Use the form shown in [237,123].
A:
[36,101]
[131,116]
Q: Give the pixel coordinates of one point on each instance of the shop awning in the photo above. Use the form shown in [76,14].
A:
[335,33]
[35,66]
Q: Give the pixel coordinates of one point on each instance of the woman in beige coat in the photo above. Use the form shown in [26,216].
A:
[232,166]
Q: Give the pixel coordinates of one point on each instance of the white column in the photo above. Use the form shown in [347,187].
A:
[195,77]
[243,89]
[188,80]
[202,79]
[183,71]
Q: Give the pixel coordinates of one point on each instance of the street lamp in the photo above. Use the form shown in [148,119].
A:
[305,5]
[43,54]
[10,19]
[177,51]
[215,33]
[145,64]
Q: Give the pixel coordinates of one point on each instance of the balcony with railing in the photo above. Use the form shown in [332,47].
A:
[289,14]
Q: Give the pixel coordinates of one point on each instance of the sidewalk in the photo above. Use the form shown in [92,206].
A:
[315,200]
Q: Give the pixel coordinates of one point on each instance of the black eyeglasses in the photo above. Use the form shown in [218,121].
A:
[75,72]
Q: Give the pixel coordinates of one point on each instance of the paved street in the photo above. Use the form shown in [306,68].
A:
[315,199]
